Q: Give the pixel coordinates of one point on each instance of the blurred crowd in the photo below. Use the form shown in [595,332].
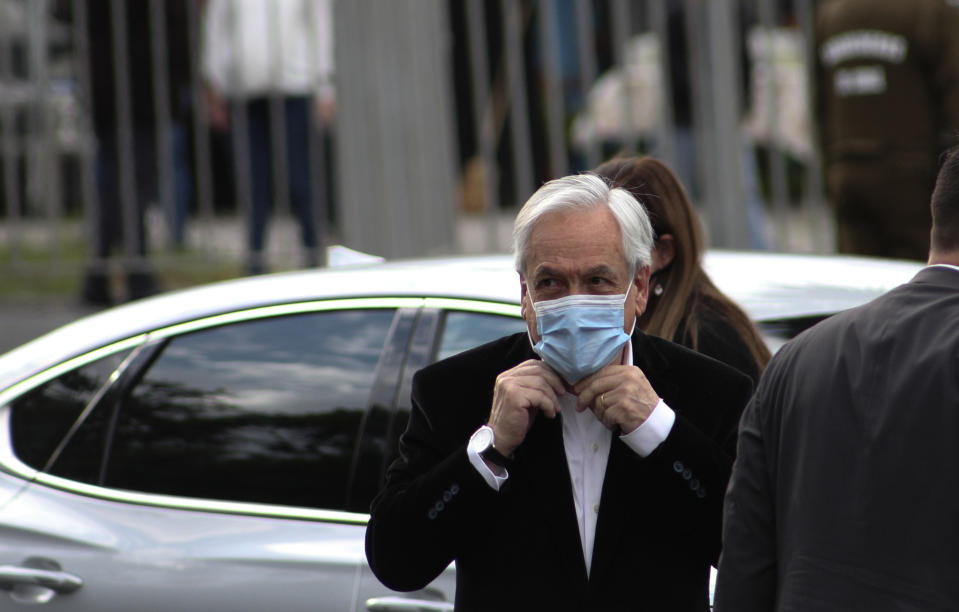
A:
[198,105]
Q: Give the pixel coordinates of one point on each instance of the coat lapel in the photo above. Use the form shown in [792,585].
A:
[553,497]
[623,470]
[550,486]
[653,364]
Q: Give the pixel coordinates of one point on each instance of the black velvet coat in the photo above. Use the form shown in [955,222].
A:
[659,522]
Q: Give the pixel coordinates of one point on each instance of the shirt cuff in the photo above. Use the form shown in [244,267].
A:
[645,438]
[494,481]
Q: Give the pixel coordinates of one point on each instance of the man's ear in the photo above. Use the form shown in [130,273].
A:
[523,296]
[641,281]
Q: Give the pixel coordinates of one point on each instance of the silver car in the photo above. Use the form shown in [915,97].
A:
[217,448]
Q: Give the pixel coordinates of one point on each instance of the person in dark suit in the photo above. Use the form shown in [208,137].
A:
[845,491]
[571,467]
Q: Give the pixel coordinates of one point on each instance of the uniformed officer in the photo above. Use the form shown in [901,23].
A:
[888,105]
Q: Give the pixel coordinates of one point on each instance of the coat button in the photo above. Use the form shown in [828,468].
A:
[439,506]
[678,467]
[432,514]
[455,489]
[687,474]
[447,496]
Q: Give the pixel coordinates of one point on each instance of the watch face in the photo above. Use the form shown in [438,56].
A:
[482,439]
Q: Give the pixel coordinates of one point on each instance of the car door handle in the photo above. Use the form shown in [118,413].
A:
[405,604]
[59,581]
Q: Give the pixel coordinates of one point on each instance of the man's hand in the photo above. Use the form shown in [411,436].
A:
[619,395]
[218,110]
[517,396]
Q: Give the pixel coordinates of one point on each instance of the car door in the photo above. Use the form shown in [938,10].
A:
[210,468]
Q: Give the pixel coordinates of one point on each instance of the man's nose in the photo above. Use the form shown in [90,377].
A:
[576,287]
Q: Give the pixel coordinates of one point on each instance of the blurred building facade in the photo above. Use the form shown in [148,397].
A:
[448,113]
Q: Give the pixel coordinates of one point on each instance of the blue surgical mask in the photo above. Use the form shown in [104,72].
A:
[579,334]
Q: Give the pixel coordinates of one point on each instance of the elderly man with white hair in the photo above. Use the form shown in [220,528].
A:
[578,466]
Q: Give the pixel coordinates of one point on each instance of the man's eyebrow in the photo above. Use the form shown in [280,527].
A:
[545,270]
[600,270]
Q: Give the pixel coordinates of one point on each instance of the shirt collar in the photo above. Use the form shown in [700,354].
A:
[942,265]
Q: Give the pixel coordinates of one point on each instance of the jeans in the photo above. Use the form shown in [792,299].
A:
[297,128]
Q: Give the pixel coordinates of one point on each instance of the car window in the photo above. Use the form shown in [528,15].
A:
[40,418]
[464,330]
[263,411]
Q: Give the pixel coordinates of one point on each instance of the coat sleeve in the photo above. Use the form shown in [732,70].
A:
[747,567]
[434,501]
[692,466]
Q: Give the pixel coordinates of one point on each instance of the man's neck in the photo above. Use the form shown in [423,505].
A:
[949,258]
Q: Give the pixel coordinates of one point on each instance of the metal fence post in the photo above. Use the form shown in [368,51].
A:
[721,158]
[395,140]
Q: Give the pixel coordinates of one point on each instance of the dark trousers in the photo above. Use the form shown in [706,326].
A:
[882,209]
[113,211]
[119,217]
[296,126]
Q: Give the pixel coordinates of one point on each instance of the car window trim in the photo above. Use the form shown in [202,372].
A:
[12,464]
[200,504]
[197,324]
[471,305]
[19,388]
[22,386]
[275,310]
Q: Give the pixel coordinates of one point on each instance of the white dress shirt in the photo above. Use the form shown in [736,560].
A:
[587,443]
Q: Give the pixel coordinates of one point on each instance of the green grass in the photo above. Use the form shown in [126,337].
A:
[34,272]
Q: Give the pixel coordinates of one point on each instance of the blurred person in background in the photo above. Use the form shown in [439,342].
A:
[888,98]
[845,492]
[126,116]
[259,54]
[684,305]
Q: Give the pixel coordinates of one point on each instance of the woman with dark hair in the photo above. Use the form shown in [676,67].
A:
[684,305]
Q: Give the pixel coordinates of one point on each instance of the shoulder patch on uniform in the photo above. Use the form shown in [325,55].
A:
[864,44]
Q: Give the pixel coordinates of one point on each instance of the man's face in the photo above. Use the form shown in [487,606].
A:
[575,253]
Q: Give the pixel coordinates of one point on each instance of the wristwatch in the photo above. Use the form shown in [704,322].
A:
[483,442]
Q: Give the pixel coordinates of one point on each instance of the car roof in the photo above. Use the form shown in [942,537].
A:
[776,286]
[769,286]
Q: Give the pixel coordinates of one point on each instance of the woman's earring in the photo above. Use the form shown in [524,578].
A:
[658,289]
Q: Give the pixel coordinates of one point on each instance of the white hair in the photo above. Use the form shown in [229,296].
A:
[586,192]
